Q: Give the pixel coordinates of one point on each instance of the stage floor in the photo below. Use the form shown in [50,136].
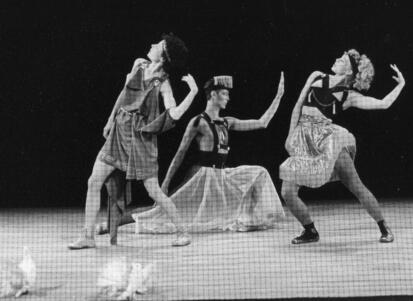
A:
[348,261]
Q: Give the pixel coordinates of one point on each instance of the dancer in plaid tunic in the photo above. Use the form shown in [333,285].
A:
[132,130]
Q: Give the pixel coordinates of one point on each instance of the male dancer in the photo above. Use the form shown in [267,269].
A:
[215,197]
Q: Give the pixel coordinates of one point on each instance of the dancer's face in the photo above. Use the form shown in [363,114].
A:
[156,51]
[342,65]
[220,98]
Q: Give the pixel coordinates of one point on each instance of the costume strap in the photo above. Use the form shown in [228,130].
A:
[213,129]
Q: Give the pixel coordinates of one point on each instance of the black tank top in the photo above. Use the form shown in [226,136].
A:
[218,156]
[323,98]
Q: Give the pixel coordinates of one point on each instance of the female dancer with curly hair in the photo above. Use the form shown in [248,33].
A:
[132,129]
[321,151]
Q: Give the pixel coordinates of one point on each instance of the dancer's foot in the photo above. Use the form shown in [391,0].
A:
[248,228]
[387,235]
[101,229]
[182,239]
[306,236]
[85,241]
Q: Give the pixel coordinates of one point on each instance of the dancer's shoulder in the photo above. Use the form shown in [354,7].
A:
[198,120]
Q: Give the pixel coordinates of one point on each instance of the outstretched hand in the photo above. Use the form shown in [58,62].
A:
[190,82]
[399,78]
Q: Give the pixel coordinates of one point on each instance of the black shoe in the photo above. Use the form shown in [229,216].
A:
[306,236]
[101,229]
[388,237]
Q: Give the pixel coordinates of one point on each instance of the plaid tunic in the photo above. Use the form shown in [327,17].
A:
[132,143]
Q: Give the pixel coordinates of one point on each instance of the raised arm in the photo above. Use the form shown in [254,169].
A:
[253,124]
[295,116]
[190,133]
[176,112]
[360,101]
[119,100]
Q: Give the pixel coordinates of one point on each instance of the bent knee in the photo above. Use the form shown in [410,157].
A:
[288,192]
[344,159]
[94,182]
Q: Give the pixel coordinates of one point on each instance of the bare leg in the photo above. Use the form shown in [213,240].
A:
[100,172]
[289,192]
[127,218]
[350,178]
[115,187]
[155,192]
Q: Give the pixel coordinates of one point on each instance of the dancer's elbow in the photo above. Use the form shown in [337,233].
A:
[175,113]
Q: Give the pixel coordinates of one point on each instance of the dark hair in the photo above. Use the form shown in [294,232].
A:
[217,83]
[212,88]
[176,54]
[208,88]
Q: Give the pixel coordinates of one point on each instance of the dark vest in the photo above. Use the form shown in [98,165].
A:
[323,98]
[218,156]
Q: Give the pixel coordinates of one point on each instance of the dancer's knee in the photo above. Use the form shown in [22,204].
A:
[288,192]
[93,183]
[351,180]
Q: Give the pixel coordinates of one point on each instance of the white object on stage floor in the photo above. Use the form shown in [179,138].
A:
[236,199]
[17,279]
[123,281]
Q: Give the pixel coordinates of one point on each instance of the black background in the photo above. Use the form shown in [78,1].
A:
[63,63]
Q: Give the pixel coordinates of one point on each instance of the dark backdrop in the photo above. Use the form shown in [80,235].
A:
[63,64]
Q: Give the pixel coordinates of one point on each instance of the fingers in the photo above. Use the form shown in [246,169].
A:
[394,67]
[399,78]
[281,82]
[188,78]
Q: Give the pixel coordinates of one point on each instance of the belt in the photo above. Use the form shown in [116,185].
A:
[131,113]
[211,159]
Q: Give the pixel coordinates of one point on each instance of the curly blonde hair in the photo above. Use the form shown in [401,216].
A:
[365,74]
[364,77]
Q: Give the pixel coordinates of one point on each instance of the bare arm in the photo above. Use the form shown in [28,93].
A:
[253,124]
[190,133]
[297,108]
[176,112]
[360,101]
